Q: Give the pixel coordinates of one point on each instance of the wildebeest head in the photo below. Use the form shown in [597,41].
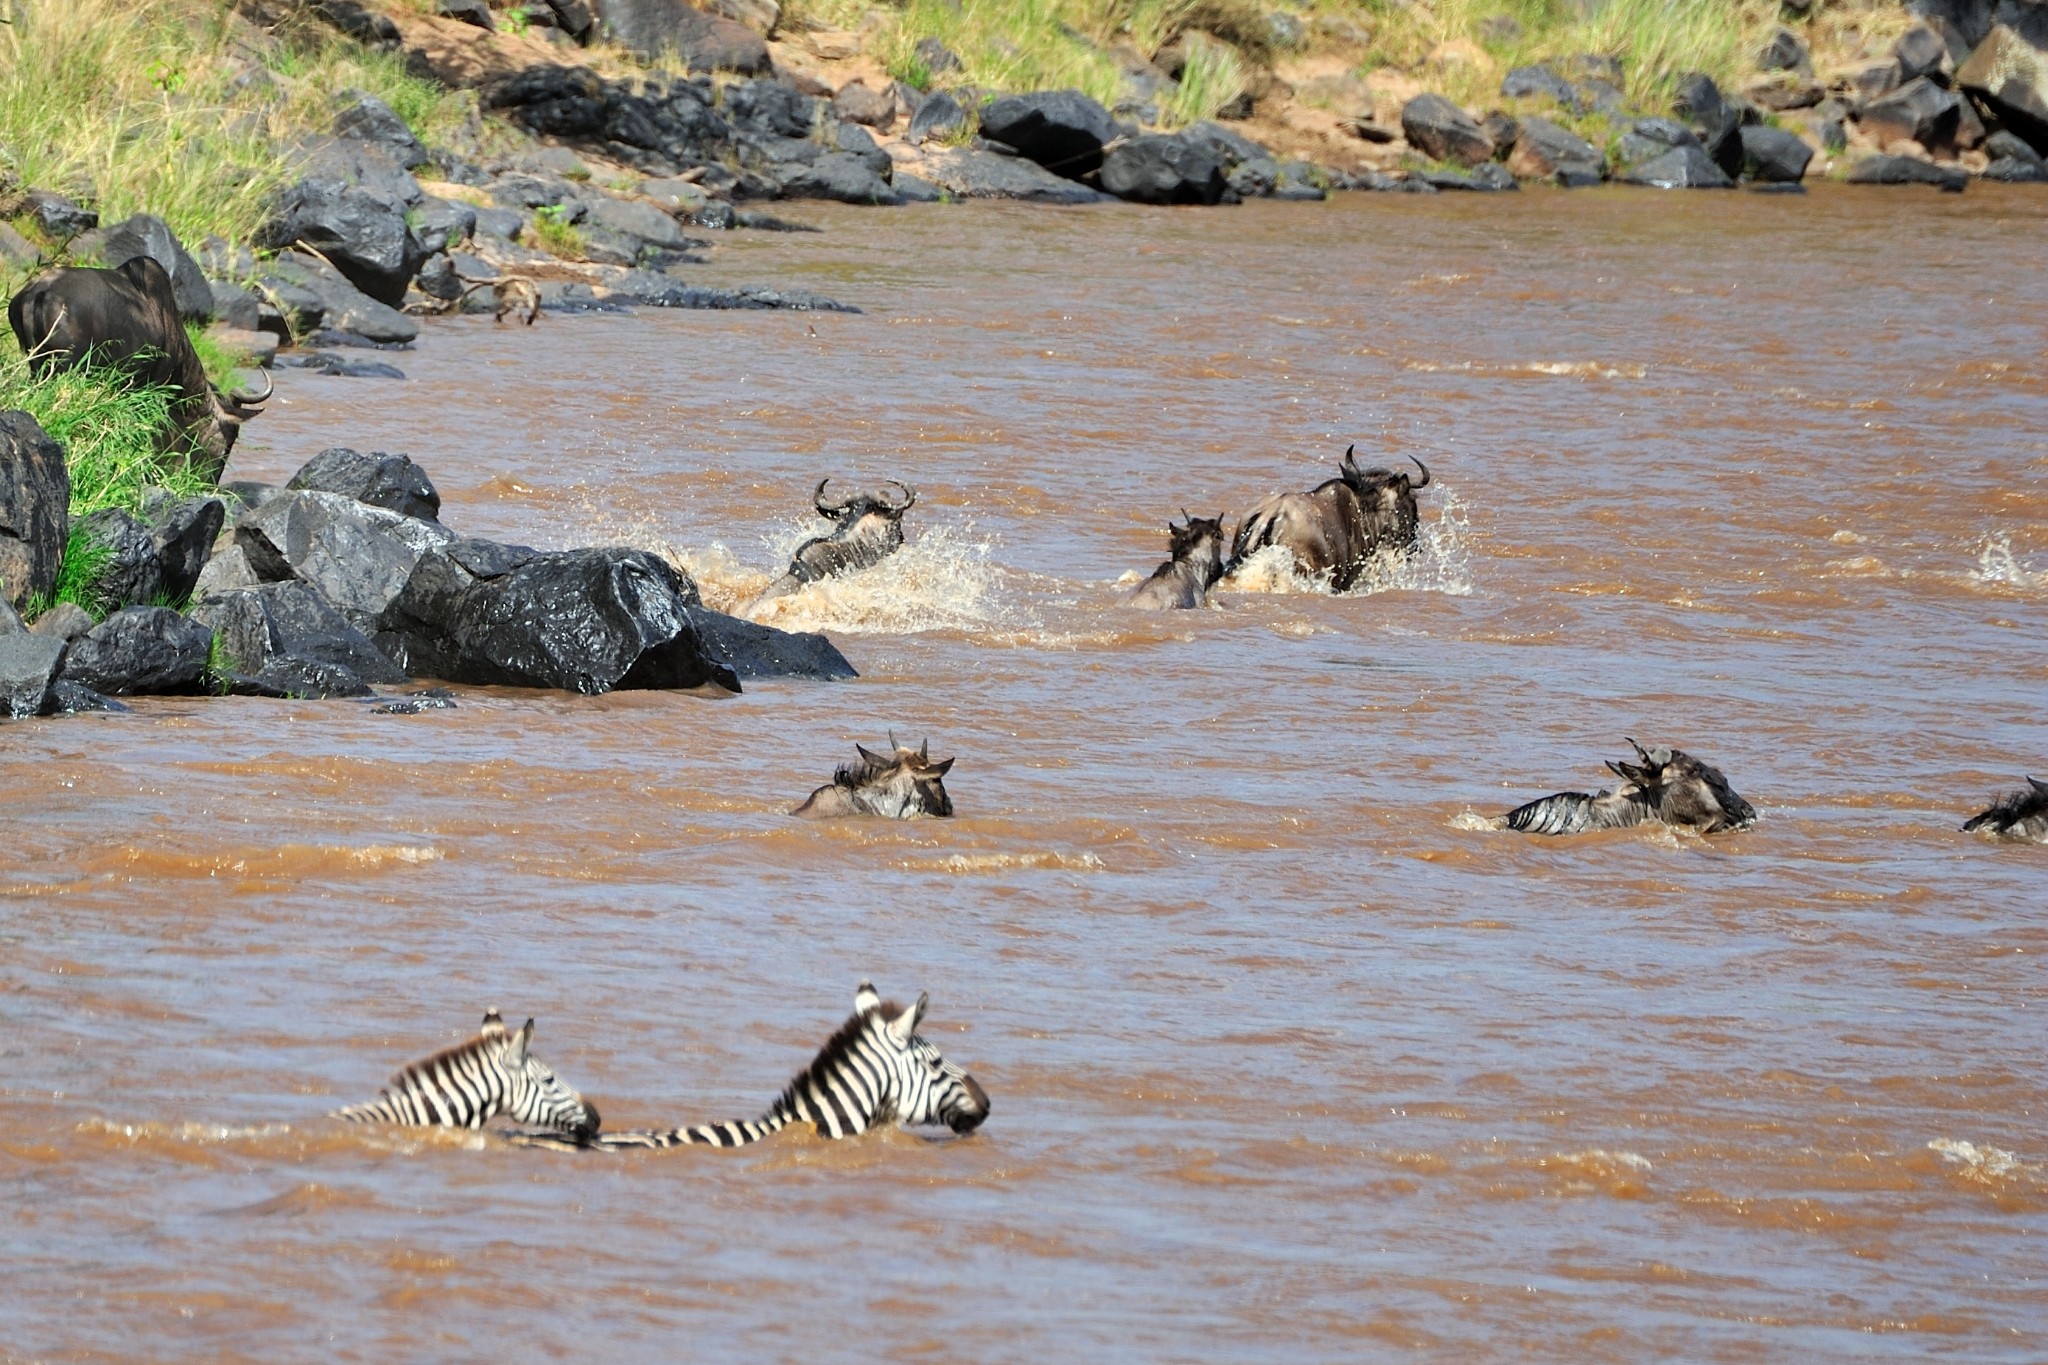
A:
[2019,816]
[902,785]
[869,529]
[1197,540]
[1686,792]
[1386,501]
[126,319]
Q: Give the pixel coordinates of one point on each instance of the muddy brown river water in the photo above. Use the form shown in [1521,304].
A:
[1288,1057]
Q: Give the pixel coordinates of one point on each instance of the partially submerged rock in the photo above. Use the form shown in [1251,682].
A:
[140,650]
[35,497]
[29,665]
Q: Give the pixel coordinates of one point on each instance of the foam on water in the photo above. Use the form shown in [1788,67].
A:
[1998,566]
[1986,1164]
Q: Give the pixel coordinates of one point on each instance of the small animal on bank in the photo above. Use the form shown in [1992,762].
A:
[1668,786]
[468,1085]
[903,786]
[513,295]
[868,529]
[2017,817]
[876,1069]
[126,319]
[1338,526]
[1194,563]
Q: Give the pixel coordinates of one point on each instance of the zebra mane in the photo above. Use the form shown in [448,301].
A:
[492,1035]
[841,1043]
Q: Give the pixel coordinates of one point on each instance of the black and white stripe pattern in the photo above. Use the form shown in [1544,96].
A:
[1578,812]
[876,1069]
[469,1085]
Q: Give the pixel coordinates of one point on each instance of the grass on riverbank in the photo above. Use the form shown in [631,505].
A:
[179,107]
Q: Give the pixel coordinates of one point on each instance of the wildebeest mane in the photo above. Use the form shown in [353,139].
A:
[2009,808]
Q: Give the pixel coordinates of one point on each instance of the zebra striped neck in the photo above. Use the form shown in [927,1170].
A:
[468,1085]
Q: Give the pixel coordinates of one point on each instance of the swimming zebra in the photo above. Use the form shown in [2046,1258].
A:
[2021,817]
[1669,786]
[472,1083]
[876,1069]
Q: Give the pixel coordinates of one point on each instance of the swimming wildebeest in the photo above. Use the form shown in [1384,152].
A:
[1669,786]
[869,530]
[126,319]
[2021,817]
[1195,563]
[1339,525]
[903,786]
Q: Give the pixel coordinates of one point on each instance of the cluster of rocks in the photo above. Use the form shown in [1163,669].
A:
[1955,84]
[342,580]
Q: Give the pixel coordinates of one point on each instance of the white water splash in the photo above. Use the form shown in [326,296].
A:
[1998,566]
[1441,563]
[1472,822]
[1986,1163]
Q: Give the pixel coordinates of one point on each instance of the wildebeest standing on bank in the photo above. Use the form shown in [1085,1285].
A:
[2020,817]
[126,319]
[869,529]
[1669,786]
[903,786]
[1194,563]
[1338,526]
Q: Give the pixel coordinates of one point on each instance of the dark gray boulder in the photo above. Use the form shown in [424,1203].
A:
[366,166]
[61,219]
[970,173]
[35,501]
[1489,176]
[1908,170]
[369,119]
[285,639]
[146,235]
[1062,130]
[1774,155]
[855,140]
[70,698]
[936,57]
[751,650]
[1920,110]
[1786,51]
[706,42]
[65,621]
[443,224]
[183,531]
[29,665]
[126,568]
[841,176]
[1546,151]
[857,103]
[1680,168]
[1537,82]
[587,621]
[140,651]
[939,116]
[357,557]
[1441,130]
[1163,168]
[2009,75]
[357,20]
[2013,170]
[10,619]
[637,219]
[2004,146]
[468,11]
[392,482]
[1919,51]
[224,573]
[236,307]
[322,297]
[367,239]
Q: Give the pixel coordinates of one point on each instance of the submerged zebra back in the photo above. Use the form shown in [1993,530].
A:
[1576,813]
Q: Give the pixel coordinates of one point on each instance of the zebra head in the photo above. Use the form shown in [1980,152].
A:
[534,1094]
[929,1089]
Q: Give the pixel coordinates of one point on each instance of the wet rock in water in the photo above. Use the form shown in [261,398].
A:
[939,116]
[369,119]
[326,362]
[35,501]
[705,42]
[1681,168]
[70,698]
[29,665]
[1442,131]
[1546,151]
[856,103]
[915,189]
[183,531]
[1165,169]
[65,621]
[357,557]
[284,639]
[392,482]
[1919,110]
[336,302]
[144,235]
[2010,76]
[843,177]
[661,291]
[140,651]
[752,650]
[129,569]
[1062,130]
[969,173]
[364,237]
[587,621]
[1774,155]
[417,703]
[1489,177]
[1908,170]
[2012,160]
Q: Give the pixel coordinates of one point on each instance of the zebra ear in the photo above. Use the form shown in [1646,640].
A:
[905,1024]
[520,1042]
[865,999]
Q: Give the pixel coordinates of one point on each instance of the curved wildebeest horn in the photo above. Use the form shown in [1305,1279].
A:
[828,510]
[251,402]
[897,509]
[1425,474]
[924,750]
[1350,460]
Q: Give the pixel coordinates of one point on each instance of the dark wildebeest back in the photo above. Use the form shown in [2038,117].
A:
[1669,786]
[902,786]
[1194,563]
[869,529]
[126,319]
[2021,817]
[1338,526]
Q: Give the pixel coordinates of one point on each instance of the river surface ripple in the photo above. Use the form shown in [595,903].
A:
[1287,1058]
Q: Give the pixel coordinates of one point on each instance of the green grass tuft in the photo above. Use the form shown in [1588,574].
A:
[556,235]
[109,432]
